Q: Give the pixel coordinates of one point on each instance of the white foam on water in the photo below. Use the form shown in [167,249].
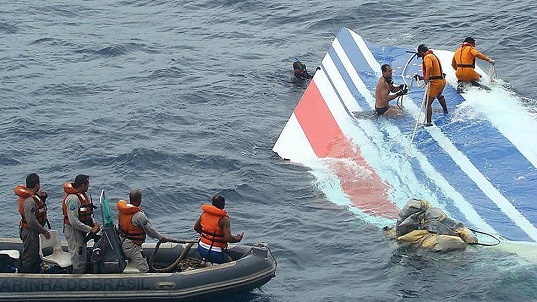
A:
[414,184]
[524,249]
[502,107]
[330,185]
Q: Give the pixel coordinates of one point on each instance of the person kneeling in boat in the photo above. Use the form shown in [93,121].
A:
[133,229]
[428,227]
[387,91]
[463,63]
[215,229]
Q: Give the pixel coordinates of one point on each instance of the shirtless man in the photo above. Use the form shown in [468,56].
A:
[384,90]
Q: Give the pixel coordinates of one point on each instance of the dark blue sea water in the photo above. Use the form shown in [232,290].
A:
[185,99]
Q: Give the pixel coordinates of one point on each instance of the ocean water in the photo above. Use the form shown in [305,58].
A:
[185,100]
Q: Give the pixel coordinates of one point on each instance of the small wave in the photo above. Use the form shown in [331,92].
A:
[8,161]
[171,72]
[139,160]
[141,3]
[44,40]
[91,53]
[70,11]
[112,51]
[8,28]
[70,90]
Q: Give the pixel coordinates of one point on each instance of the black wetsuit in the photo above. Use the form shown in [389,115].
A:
[300,71]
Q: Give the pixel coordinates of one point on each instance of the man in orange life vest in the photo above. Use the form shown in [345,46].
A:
[464,63]
[133,228]
[78,220]
[215,229]
[433,75]
[33,212]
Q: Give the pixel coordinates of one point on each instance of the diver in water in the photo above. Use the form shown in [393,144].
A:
[463,63]
[300,71]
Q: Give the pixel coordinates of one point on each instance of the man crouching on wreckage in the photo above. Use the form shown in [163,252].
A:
[428,227]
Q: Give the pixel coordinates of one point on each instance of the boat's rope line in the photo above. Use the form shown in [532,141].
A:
[425,99]
[460,160]
[487,234]
[492,73]
[403,73]
[484,184]
[173,266]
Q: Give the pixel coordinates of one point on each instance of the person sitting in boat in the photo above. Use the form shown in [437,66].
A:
[428,227]
[387,91]
[214,227]
[33,212]
[463,63]
[435,78]
[134,226]
[78,220]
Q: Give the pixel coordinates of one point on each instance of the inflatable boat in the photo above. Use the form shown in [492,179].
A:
[177,271]
[253,267]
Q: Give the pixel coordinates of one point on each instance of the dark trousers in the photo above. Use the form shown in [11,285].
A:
[30,261]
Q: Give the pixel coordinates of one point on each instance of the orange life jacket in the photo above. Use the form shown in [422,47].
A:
[436,70]
[85,212]
[464,57]
[211,233]
[126,228]
[41,207]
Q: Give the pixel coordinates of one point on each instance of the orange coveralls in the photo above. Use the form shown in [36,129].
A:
[464,62]
[431,68]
